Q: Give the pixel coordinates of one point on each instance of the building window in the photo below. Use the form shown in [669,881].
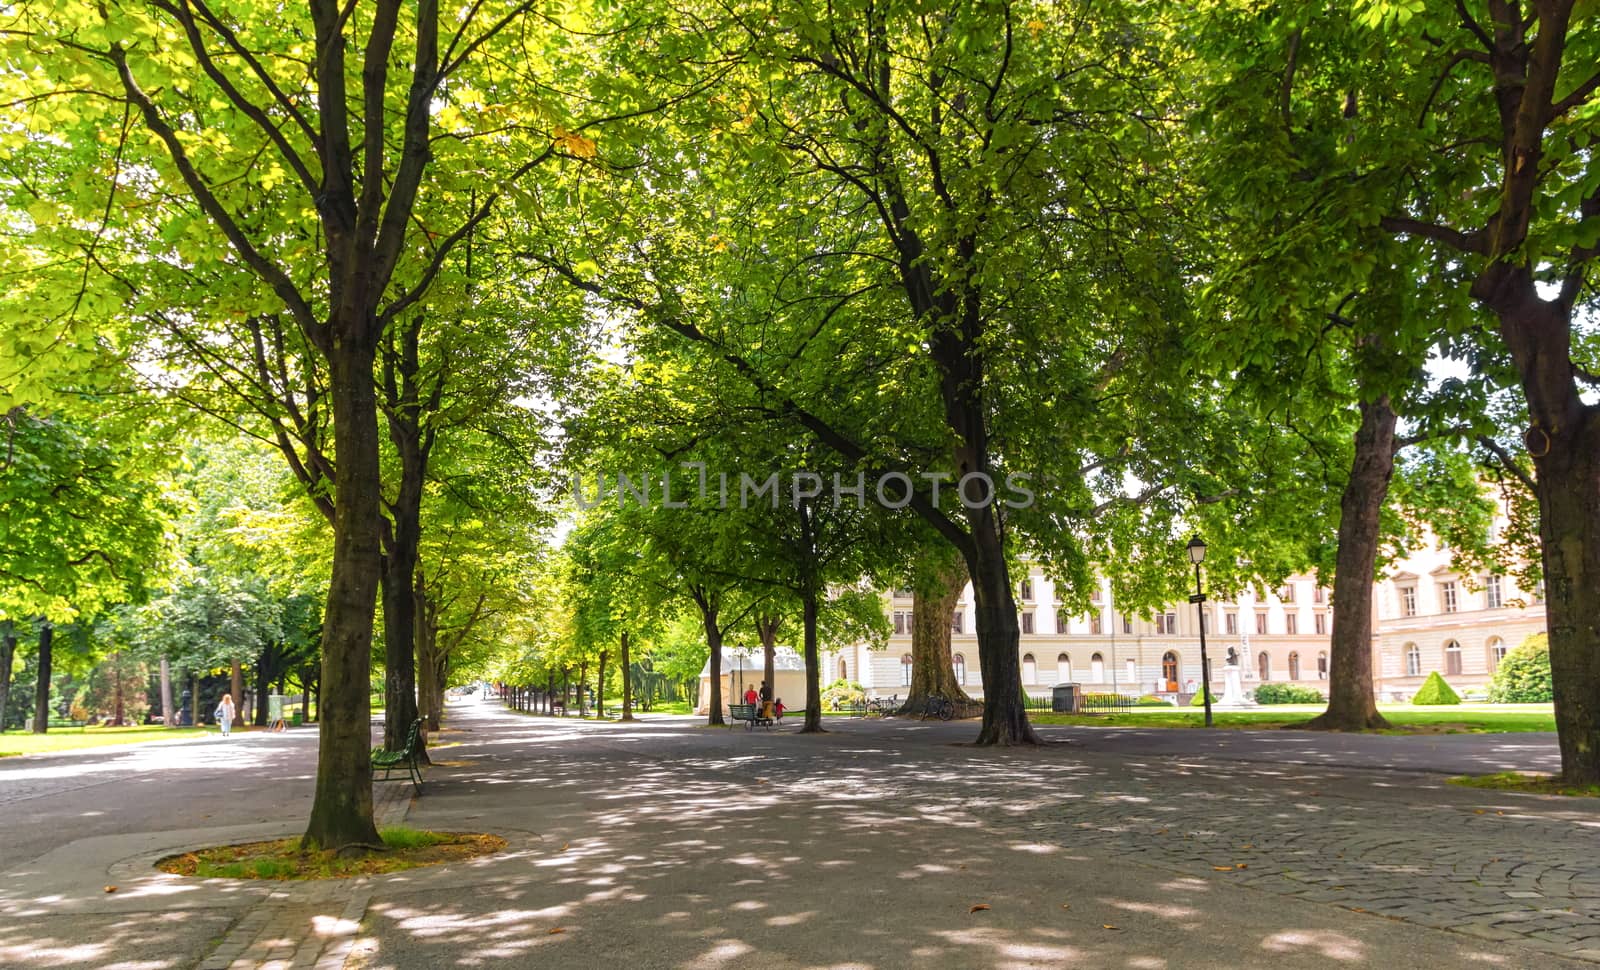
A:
[1205,623]
[1094,623]
[959,663]
[1027,589]
[1294,665]
[1167,624]
[1321,620]
[1098,596]
[1452,658]
[902,622]
[1097,669]
[1127,623]
[1322,665]
[1261,623]
[1062,621]
[1027,622]
[1131,669]
[957,622]
[1493,594]
[1413,660]
[1286,594]
[1291,623]
[1538,591]
[1447,597]
[1319,595]
[1063,667]
[1408,601]
[902,593]
[1497,653]
[844,670]
[1030,669]
[905,670]
[1264,665]
[1231,623]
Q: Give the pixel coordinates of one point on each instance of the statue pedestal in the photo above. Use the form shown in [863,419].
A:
[1233,695]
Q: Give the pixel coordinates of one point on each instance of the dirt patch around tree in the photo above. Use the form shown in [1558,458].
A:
[282,859]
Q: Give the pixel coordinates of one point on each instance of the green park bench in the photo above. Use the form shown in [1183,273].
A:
[750,714]
[404,760]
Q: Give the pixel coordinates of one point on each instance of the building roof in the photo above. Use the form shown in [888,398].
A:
[783,658]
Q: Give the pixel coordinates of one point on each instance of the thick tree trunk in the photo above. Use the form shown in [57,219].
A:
[424,685]
[1351,705]
[263,684]
[341,813]
[936,591]
[767,629]
[600,688]
[1005,719]
[8,651]
[813,721]
[627,681]
[169,717]
[403,535]
[708,617]
[583,689]
[41,697]
[194,699]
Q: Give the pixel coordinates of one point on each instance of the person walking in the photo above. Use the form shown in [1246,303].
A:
[225,714]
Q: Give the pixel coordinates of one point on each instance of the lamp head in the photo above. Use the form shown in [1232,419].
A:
[1197,550]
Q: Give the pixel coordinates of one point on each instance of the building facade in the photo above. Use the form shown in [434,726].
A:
[1426,617]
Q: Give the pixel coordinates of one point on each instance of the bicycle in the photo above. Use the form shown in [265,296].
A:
[939,706]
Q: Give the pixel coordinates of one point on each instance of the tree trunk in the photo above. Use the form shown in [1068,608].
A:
[936,590]
[236,688]
[1351,705]
[767,629]
[708,617]
[169,717]
[341,813]
[1005,719]
[813,721]
[627,681]
[194,699]
[583,689]
[600,688]
[263,684]
[8,651]
[402,535]
[119,702]
[41,696]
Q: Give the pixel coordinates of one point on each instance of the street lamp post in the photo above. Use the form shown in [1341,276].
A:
[1197,555]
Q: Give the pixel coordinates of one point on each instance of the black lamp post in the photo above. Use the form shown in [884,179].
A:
[1197,555]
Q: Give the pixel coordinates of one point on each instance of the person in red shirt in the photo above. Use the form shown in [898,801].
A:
[777,709]
[750,696]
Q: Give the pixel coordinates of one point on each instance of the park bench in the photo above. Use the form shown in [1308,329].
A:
[750,714]
[403,760]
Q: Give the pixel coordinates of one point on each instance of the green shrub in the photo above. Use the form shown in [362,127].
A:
[1523,676]
[1200,698]
[1275,693]
[841,692]
[1435,691]
[1151,700]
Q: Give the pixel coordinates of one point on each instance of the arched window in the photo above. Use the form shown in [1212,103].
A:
[1497,653]
[1264,666]
[1322,665]
[844,669]
[1030,669]
[1097,669]
[1063,667]
[1413,660]
[960,665]
[905,670]
[1294,665]
[1452,657]
[1169,670]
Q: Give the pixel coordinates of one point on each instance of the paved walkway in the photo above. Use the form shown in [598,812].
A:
[668,844]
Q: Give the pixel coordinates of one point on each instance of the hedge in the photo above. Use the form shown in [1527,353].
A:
[1274,693]
[1435,691]
[1523,676]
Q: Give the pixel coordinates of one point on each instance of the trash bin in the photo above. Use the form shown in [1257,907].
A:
[1064,699]
[297,719]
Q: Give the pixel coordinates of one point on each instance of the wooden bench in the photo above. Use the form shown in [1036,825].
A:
[405,759]
[750,714]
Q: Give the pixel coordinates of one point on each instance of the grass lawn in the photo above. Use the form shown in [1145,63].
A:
[1454,719]
[1536,784]
[282,859]
[69,739]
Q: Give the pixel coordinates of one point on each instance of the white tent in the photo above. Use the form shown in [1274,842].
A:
[745,668]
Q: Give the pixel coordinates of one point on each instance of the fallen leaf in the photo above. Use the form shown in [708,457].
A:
[1247,846]
[554,930]
[1222,868]
[111,889]
[1107,926]
[1243,865]
[962,866]
[1066,905]
[977,907]
[1477,811]
[1357,909]
[564,846]
[1499,813]
[1162,832]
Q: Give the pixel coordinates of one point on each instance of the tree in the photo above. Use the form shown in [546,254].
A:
[1523,676]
